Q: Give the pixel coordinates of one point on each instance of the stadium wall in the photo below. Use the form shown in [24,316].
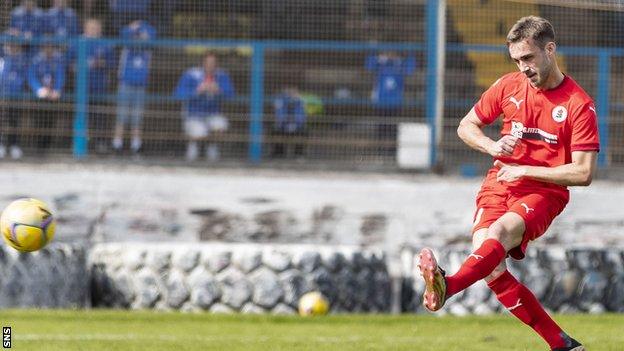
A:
[54,277]
[246,278]
[254,278]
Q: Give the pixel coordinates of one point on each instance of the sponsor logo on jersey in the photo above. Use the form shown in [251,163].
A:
[520,131]
[559,114]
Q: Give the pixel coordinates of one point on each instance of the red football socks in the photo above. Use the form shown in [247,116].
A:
[476,267]
[521,302]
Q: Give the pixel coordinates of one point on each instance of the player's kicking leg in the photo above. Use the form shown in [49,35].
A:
[435,283]
[504,234]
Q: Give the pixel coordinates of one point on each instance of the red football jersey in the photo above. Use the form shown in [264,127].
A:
[549,123]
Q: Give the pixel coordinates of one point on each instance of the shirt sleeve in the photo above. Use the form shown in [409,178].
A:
[185,89]
[409,66]
[33,80]
[489,106]
[59,82]
[279,106]
[225,84]
[73,25]
[300,116]
[371,63]
[13,23]
[109,57]
[585,130]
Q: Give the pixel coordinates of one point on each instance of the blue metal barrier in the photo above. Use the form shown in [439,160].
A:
[432,75]
[257,103]
[81,125]
[602,104]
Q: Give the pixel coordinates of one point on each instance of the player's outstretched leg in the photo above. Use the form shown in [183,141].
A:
[435,284]
[521,302]
[477,266]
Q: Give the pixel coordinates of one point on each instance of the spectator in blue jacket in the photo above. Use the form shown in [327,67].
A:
[27,20]
[123,12]
[100,59]
[202,90]
[390,70]
[61,21]
[13,70]
[134,67]
[46,78]
[290,122]
[100,63]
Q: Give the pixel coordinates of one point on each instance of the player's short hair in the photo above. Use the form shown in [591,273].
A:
[532,27]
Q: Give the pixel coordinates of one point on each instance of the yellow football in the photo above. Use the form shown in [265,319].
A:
[27,224]
[313,304]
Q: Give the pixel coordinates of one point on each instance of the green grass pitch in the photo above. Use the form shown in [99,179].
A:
[130,330]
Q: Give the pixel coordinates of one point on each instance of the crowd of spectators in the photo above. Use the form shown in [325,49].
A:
[36,63]
[41,69]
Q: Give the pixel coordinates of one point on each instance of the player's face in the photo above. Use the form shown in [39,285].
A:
[534,62]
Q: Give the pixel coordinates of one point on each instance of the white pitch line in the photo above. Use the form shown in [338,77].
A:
[173,338]
[93,337]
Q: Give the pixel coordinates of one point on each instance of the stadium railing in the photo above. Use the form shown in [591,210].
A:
[345,134]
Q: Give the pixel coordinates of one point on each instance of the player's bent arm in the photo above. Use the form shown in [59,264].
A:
[470,131]
[577,173]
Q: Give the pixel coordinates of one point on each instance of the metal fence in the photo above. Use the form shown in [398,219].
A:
[326,57]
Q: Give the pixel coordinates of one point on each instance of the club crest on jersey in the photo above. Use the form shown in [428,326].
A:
[559,114]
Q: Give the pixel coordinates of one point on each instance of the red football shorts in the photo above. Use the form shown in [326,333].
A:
[538,209]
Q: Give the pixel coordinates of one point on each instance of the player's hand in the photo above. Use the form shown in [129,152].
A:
[504,146]
[508,173]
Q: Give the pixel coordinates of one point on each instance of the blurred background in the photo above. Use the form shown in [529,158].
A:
[364,84]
